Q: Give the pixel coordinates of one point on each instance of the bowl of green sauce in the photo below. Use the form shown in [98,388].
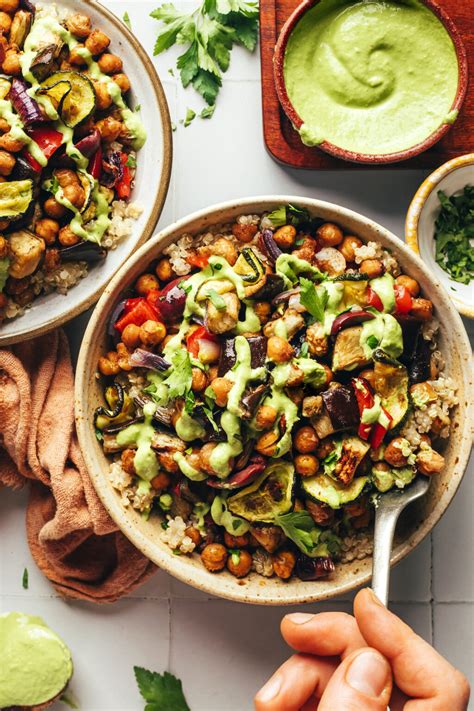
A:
[370,81]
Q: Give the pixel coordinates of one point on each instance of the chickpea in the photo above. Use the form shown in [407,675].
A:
[306,464]
[429,462]
[212,373]
[285,236]
[3,247]
[10,144]
[9,6]
[393,453]
[305,440]
[369,375]
[279,350]
[307,249]
[97,42]
[66,177]
[4,125]
[322,514]
[266,443]
[123,357]
[348,247]
[422,309]
[108,364]
[11,64]
[239,563]
[152,332]
[263,310]
[205,457]
[79,25]
[423,393]
[330,234]
[283,564]
[145,283]
[54,209]
[52,260]
[122,81]
[5,22]
[199,380]
[193,534]
[167,462]
[75,57]
[67,237]
[103,99]
[244,233]
[47,229]
[110,63]
[266,416]
[439,424]
[411,285]
[7,163]
[161,481]
[109,129]
[222,388]
[214,557]
[75,194]
[4,224]
[222,247]
[164,270]
[131,336]
[127,460]
[329,374]
[236,541]
[372,267]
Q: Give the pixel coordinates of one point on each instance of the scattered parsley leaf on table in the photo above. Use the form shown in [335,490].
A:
[24,580]
[163,692]
[126,20]
[209,33]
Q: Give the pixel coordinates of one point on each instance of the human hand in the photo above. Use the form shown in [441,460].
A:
[361,663]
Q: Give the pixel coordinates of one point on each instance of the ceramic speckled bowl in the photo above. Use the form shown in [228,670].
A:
[151,181]
[415,524]
[451,177]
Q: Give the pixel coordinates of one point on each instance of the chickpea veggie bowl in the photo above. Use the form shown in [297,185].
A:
[269,371]
[70,161]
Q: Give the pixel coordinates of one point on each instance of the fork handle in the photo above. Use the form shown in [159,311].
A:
[385,522]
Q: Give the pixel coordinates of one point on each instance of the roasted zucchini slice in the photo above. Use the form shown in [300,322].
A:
[77,103]
[355,289]
[322,488]
[392,386]
[56,93]
[270,495]
[87,182]
[249,266]
[15,198]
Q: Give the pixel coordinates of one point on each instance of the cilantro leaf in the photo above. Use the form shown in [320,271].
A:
[126,20]
[454,233]
[301,529]
[163,692]
[216,300]
[314,300]
[189,402]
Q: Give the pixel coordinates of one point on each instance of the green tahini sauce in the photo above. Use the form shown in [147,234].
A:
[371,76]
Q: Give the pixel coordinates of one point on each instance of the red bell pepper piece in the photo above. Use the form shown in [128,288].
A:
[123,187]
[48,140]
[95,164]
[137,313]
[379,431]
[200,334]
[374,299]
[200,261]
[365,400]
[403,300]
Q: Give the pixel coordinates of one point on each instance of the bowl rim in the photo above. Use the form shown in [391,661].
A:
[366,158]
[161,192]
[174,565]
[416,208]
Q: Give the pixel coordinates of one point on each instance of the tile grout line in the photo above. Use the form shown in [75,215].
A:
[432,600]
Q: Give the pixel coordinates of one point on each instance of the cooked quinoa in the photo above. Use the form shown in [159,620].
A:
[279,377]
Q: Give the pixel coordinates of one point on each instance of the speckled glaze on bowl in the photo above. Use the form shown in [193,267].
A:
[151,181]
[337,151]
[422,213]
[415,524]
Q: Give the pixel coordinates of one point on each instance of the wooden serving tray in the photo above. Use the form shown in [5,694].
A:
[284,143]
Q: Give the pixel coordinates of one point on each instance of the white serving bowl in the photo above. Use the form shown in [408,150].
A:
[151,181]
[415,523]
[451,177]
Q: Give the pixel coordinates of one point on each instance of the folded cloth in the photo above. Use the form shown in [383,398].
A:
[71,536]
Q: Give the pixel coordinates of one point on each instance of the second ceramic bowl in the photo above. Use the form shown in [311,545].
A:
[415,523]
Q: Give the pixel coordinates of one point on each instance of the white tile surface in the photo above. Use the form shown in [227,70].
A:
[224,651]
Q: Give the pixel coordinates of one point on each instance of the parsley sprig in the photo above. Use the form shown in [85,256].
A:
[162,692]
[454,235]
[209,32]
[314,300]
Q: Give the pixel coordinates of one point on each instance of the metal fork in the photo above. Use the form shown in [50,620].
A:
[389,508]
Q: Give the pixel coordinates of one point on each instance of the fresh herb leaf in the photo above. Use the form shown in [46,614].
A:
[372,342]
[216,300]
[137,108]
[454,235]
[189,402]
[185,287]
[210,416]
[304,350]
[289,215]
[190,116]
[180,375]
[207,112]
[131,161]
[314,300]
[98,435]
[209,33]
[171,71]
[163,692]
[301,529]
[24,580]
[173,126]
[126,20]
[164,525]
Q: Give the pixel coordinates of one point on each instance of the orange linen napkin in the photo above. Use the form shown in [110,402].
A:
[72,538]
